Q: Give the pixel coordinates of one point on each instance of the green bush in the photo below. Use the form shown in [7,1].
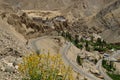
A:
[99,45]
[80,46]
[79,60]
[114,76]
[108,67]
[96,48]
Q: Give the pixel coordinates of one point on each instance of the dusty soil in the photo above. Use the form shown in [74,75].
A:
[83,17]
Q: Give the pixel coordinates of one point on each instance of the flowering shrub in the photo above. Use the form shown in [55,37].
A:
[44,67]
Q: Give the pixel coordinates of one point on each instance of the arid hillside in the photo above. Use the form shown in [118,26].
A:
[75,28]
[88,16]
[77,7]
[108,19]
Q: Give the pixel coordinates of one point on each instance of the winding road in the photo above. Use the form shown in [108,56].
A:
[75,66]
[33,43]
[102,72]
[100,68]
[63,51]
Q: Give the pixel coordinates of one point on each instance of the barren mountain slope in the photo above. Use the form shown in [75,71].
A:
[81,17]
[108,19]
[103,14]
[12,48]
[77,7]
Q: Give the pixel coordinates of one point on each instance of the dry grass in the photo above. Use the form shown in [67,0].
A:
[45,67]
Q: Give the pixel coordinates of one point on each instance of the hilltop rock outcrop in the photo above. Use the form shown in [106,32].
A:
[34,27]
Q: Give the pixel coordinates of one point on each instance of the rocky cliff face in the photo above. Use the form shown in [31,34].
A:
[100,14]
[35,27]
[108,19]
[77,7]
[97,15]
[81,17]
[12,48]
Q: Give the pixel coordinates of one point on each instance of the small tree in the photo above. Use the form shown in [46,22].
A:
[87,46]
[91,38]
[98,41]
[103,44]
[80,46]
[63,34]
[81,40]
[76,40]
[79,60]
[69,36]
